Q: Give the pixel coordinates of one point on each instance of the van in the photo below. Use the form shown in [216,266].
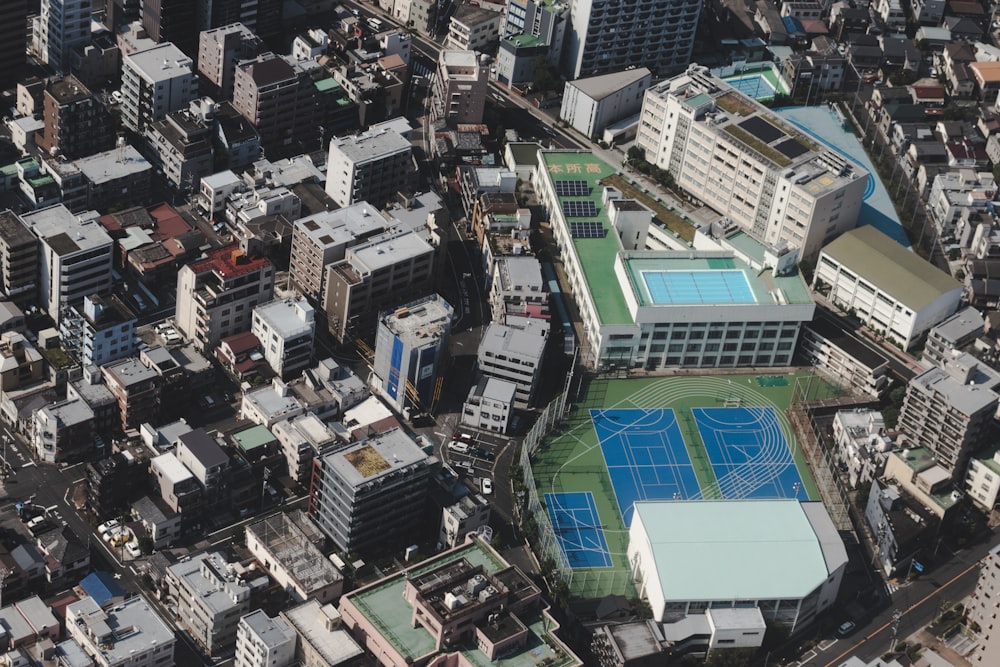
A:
[458,447]
[36,524]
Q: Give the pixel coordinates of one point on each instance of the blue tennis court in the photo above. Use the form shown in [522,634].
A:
[695,287]
[753,85]
[749,454]
[578,528]
[645,455]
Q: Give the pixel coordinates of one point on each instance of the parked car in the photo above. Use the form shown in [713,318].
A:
[111,524]
[458,447]
[846,628]
[133,549]
[37,524]
[487,486]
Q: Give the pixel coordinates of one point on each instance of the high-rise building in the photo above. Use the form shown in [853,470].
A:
[156,81]
[18,260]
[772,181]
[605,36]
[219,51]
[983,609]
[60,26]
[76,123]
[118,13]
[172,21]
[286,330]
[263,17]
[262,641]
[76,257]
[371,166]
[371,493]
[13,36]
[216,295]
[409,348]
[460,88]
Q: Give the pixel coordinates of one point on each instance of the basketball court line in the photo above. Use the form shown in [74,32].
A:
[578,529]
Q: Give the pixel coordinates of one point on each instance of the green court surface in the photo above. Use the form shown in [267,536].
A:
[570,459]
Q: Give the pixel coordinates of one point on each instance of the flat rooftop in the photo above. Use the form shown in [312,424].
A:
[375,457]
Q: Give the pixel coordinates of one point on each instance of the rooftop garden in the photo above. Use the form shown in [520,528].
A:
[752,142]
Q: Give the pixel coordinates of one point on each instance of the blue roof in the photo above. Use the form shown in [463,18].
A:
[793,26]
[102,587]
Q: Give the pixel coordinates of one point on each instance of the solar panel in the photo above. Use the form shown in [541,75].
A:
[572,188]
[587,230]
[579,209]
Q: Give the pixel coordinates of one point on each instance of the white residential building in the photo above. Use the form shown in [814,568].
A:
[982,481]
[130,634]
[465,516]
[286,329]
[155,81]
[472,28]
[984,605]
[269,404]
[210,600]
[862,445]
[371,167]
[889,288]
[61,26]
[603,37]
[460,88]
[76,256]
[513,355]
[892,14]
[590,105]
[302,437]
[771,180]
[955,192]
[215,189]
[322,641]
[99,330]
[262,641]
[489,405]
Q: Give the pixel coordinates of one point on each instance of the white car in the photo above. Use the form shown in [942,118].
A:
[487,486]
[459,447]
[133,549]
[108,525]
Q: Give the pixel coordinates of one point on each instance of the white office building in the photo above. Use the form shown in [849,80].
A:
[769,179]
[892,290]
[130,634]
[514,356]
[371,166]
[590,105]
[605,37]
[76,257]
[286,329]
[156,81]
[489,405]
[262,641]
[460,88]
[61,26]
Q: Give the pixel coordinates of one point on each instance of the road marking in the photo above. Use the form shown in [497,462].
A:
[29,464]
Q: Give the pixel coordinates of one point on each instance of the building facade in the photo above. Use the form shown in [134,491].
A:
[130,634]
[590,105]
[76,123]
[286,329]
[60,26]
[262,641]
[369,167]
[19,276]
[219,51]
[460,88]
[99,330]
[155,81]
[210,600]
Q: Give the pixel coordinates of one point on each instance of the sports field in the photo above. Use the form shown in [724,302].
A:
[669,438]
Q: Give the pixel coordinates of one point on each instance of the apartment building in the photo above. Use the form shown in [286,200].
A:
[473,29]
[953,335]
[178,489]
[371,494]
[211,599]
[262,641]
[409,348]
[155,81]
[890,289]
[321,639]
[950,410]
[321,239]
[601,38]
[136,388]
[460,88]
[842,358]
[20,363]
[369,167]
[63,432]
[19,277]
[983,607]
[982,481]
[957,193]
[216,295]
[513,355]
[727,150]
[98,330]
[489,405]
[129,634]
[219,51]
[76,123]
[286,329]
[76,257]
[59,27]
[183,144]
[115,179]
[517,289]
[374,276]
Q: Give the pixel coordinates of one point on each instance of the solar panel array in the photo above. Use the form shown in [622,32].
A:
[587,230]
[572,188]
[579,209]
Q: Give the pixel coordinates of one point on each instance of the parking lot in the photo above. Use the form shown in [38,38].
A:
[473,455]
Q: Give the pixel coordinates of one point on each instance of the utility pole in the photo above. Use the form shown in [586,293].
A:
[897,616]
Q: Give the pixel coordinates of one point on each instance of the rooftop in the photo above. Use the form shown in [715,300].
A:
[420,322]
[377,457]
[287,317]
[908,278]
[310,621]
[160,62]
[253,437]
[969,388]
[292,550]
[271,632]
[65,232]
[133,624]
[601,86]
[386,250]
[229,262]
[739,550]
[206,578]
[67,90]
[341,226]
[517,343]
[370,146]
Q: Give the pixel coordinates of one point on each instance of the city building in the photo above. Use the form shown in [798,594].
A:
[268,404]
[518,56]
[75,259]
[116,179]
[409,348]
[63,432]
[369,167]
[953,335]
[767,178]
[21,364]
[137,390]
[371,494]
[99,330]
[891,289]
[862,445]
[183,144]
[219,51]
[515,356]
[950,410]
[982,481]
[785,558]
[321,639]
[918,473]
[173,21]
[466,605]
[489,405]
[516,288]
[286,329]
[472,28]
[178,489]
[162,524]
[216,295]
[643,308]
[210,600]
[19,277]
[76,123]
[466,515]
[59,27]
[292,559]
[374,276]
[13,22]
[900,526]
[460,88]
[843,359]
[590,105]
[983,605]
[262,641]
[601,39]
[301,438]
[155,81]
[130,634]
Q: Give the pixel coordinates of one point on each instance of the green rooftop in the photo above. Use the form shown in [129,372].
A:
[254,437]
[524,40]
[384,607]
[9,169]
[326,85]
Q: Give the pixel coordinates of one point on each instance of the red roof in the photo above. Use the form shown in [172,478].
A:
[241,342]
[169,222]
[229,262]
